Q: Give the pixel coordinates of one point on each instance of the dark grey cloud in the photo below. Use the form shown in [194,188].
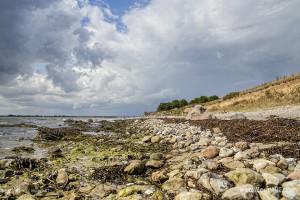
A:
[15,57]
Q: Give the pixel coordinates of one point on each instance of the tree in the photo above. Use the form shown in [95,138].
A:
[171,105]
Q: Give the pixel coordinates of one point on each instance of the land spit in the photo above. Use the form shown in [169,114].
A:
[159,159]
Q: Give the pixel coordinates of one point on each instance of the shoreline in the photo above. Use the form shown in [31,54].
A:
[159,159]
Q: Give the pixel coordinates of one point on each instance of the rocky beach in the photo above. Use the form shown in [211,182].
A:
[158,159]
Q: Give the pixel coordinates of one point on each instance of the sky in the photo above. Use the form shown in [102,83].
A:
[123,57]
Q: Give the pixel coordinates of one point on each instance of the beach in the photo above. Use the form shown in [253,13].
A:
[155,159]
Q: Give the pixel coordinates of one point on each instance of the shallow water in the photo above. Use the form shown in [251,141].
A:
[11,137]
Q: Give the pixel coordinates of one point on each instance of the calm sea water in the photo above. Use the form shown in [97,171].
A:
[11,137]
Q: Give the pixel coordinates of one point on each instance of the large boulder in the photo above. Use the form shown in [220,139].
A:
[198,112]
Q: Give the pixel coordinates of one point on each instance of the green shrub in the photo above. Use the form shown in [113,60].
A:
[171,105]
[212,98]
[203,99]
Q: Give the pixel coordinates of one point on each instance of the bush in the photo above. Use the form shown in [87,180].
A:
[231,95]
[172,105]
[213,98]
[181,103]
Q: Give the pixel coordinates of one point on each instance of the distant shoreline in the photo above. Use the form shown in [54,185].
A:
[61,116]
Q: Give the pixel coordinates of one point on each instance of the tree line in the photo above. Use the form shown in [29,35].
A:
[181,103]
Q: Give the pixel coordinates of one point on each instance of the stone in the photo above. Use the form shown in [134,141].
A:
[291,189]
[70,196]
[216,130]
[102,190]
[225,152]
[282,164]
[210,152]
[87,188]
[243,176]
[273,179]
[62,178]
[195,174]
[173,140]
[269,194]
[3,164]
[26,197]
[135,167]
[211,165]
[136,189]
[260,164]
[243,192]
[159,176]
[173,185]
[270,169]
[214,183]
[204,141]
[294,175]
[156,156]
[189,196]
[297,167]
[242,155]
[242,145]
[154,163]
[155,139]
[146,138]
[174,173]
[191,183]
[234,164]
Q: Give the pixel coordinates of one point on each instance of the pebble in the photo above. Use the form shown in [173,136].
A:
[188,196]
[154,163]
[62,178]
[135,167]
[294,175]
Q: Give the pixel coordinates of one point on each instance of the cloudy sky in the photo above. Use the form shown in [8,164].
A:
[122,57]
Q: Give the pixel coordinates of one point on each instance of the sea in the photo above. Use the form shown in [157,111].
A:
[11,137]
